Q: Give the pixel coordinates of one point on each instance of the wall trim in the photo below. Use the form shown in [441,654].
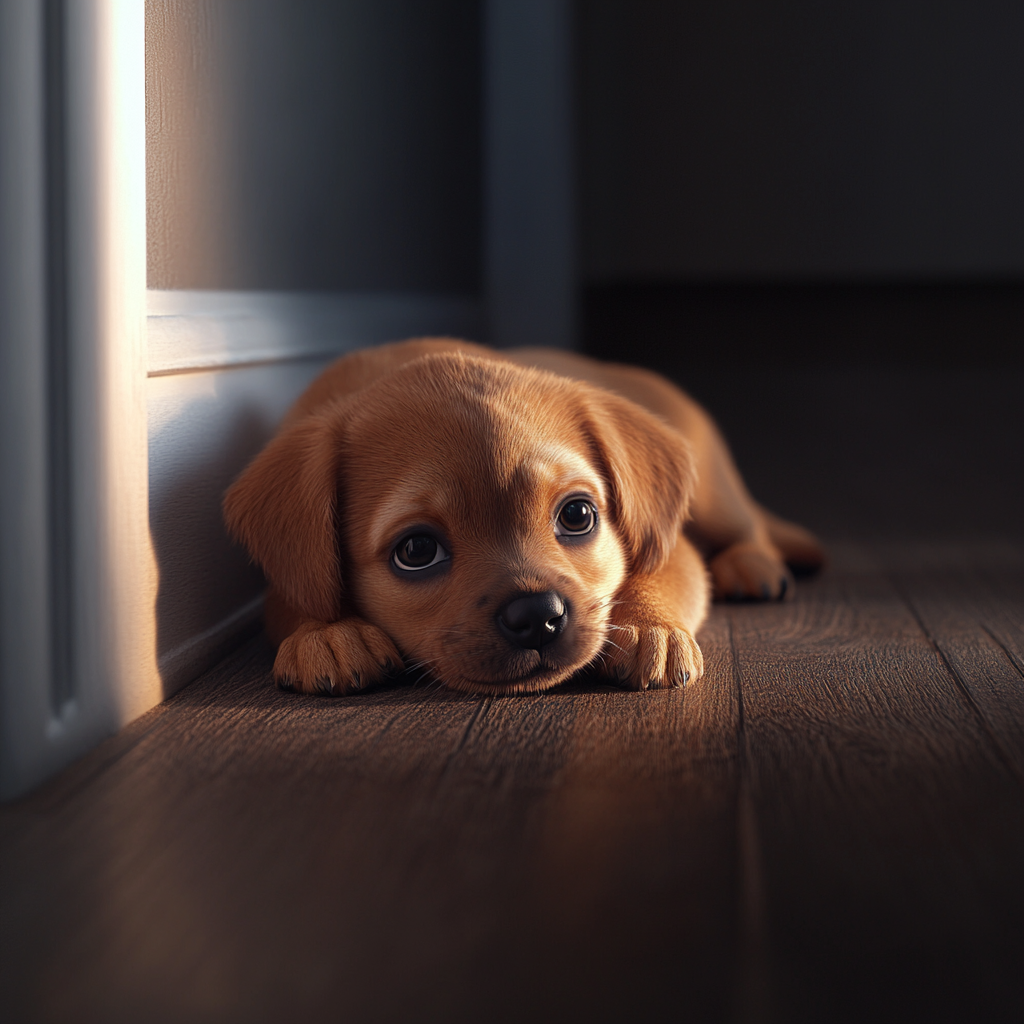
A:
[199,653]
[192,331]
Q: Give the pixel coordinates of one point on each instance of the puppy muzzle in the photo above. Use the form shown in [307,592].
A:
[533,620]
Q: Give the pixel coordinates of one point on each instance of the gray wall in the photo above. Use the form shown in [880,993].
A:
[800,139]
[314,144]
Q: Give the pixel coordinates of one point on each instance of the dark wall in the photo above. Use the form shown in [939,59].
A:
[802,140]
[314,144]
[810,215]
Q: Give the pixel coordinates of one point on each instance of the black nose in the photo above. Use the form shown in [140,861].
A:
[533,620]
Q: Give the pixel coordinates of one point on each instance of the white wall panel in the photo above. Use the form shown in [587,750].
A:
[203,429]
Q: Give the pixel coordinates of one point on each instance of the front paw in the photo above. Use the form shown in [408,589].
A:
[651,656]
[335,657]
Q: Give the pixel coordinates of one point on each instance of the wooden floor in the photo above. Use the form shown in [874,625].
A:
[830,826]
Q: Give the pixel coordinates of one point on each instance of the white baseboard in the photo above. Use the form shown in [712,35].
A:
[202,330]
[199,653]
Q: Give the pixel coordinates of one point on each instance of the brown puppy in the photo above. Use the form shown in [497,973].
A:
[501,520]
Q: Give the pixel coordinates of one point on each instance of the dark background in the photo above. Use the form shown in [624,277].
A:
[810,216]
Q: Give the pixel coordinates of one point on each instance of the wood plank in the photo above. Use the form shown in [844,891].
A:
[206,866]
[829,826]
[241,854]
[891,828]
[969,600]
[634,879]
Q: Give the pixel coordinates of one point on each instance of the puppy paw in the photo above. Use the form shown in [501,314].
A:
[651,656]
[748,572]
[335,658]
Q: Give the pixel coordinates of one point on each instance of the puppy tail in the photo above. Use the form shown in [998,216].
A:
[802,551]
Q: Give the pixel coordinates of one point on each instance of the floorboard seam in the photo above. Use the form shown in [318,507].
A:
[962,685]
[481,709]
[752,987]
[1010,656]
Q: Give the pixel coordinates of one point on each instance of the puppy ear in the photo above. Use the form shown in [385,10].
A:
[652,472]
[283,508]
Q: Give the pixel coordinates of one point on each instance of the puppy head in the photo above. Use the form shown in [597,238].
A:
[482,514]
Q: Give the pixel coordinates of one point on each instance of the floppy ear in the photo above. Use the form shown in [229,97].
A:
[652,473]
[283,508]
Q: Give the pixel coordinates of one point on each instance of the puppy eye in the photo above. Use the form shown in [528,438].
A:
[419,551]
[576,517]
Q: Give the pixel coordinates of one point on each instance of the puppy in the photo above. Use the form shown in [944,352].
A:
[499,520]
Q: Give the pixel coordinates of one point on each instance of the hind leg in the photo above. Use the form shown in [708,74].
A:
[747,547]
[750,549]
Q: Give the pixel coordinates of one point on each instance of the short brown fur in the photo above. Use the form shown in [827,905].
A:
[482,449]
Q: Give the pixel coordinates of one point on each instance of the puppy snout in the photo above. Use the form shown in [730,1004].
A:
[533,620]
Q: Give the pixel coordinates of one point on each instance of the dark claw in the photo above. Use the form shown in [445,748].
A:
[783,587]
[686,678]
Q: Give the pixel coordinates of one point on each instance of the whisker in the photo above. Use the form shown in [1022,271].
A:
[419,664]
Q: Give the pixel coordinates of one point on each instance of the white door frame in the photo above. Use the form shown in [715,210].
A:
[77,575]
